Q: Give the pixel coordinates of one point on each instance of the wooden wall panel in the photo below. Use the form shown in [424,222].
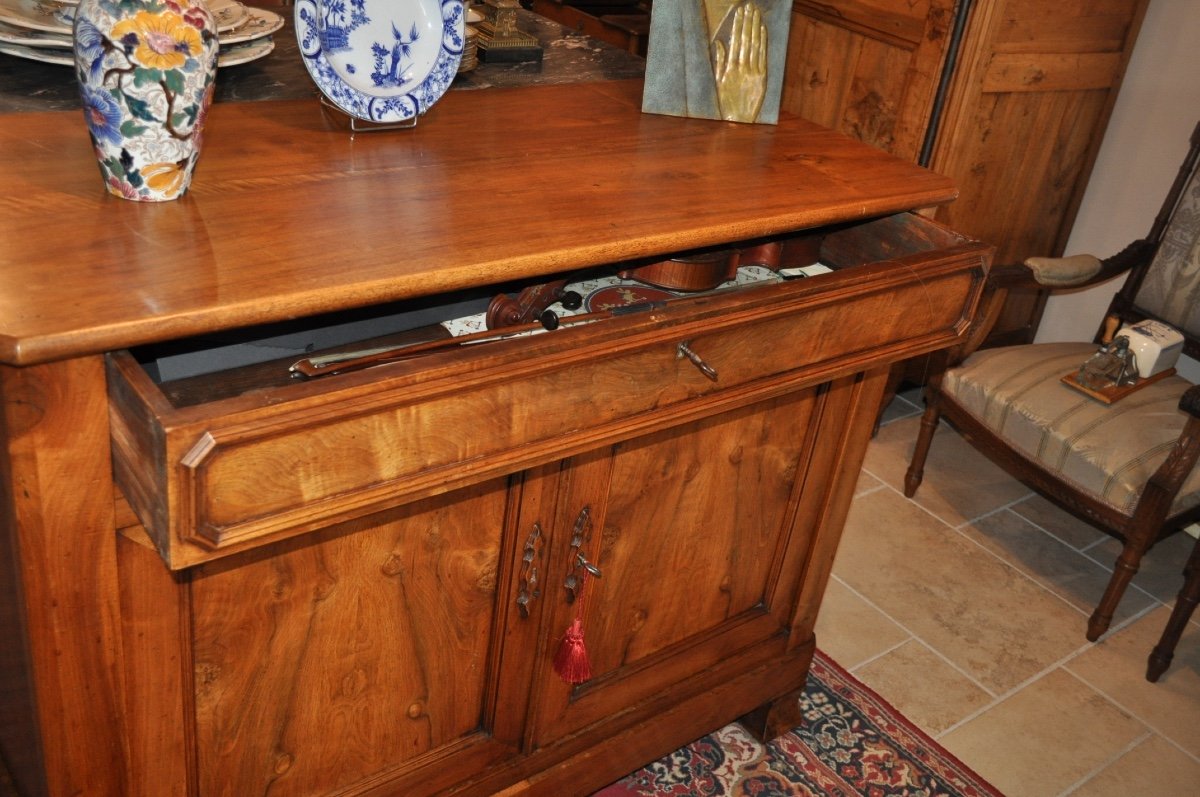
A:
[1051,72]
[1027,95]
[1017,166]
[1026,115]
[1063,25]
[868,69]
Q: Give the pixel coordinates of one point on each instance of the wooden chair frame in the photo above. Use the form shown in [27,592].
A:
[1150,520]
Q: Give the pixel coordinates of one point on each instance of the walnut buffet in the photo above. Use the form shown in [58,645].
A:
[328,586]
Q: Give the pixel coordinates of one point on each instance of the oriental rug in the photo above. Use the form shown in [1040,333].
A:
[852,742]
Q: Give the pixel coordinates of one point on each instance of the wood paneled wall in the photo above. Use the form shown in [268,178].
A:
[1026,88]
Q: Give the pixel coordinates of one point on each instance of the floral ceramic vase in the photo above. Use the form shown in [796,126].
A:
[146,70]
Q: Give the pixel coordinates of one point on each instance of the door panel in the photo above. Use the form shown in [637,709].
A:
[868,68]
[688,527]
[356,654]
[1030,99]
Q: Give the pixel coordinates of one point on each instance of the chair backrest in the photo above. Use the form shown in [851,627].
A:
[1165,283]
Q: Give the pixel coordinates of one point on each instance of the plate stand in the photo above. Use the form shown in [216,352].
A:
[365,126]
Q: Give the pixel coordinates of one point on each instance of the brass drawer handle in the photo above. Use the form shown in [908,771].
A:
[685,350]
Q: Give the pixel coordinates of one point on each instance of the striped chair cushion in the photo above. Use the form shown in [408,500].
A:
[1108,451]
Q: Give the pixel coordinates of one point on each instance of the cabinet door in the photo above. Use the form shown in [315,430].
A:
[1024,118]
[359,656]
[690,529]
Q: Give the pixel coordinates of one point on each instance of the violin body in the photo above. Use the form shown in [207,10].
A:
[699,271]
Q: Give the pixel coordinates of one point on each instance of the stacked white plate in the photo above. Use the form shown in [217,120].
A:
[40,30]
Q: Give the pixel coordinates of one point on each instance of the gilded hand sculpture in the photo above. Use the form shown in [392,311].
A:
[741,70]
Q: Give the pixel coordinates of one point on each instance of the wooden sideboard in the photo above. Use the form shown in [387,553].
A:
[356,584]
[1010,98]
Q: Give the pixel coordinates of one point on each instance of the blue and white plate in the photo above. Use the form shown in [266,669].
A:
[381,60]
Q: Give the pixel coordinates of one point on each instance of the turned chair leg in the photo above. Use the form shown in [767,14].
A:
[929,424]
[1185,604]
[1123,572]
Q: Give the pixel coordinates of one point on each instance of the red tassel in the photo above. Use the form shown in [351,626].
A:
[571,660]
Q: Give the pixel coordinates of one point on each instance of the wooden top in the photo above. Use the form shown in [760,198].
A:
[289,216]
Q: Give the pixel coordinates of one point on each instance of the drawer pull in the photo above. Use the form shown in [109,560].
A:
[685,350]
[529,573]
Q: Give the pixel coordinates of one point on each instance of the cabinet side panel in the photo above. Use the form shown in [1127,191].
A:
[161,748]
[327,662]
[58,508]
[848,413]
[19,751]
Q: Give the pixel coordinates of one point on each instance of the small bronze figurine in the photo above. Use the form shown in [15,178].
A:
[1114,365]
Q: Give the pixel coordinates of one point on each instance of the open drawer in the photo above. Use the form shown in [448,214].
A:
[211,470]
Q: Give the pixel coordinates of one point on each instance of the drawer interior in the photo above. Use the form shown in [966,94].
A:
[221,365]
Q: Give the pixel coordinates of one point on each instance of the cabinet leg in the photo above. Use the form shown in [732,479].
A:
[774,719]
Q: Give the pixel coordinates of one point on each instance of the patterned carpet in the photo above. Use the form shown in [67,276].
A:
[852,743]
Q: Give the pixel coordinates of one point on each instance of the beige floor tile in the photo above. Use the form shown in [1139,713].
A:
[866,483]
[1061,569]
[1155,767]
[923,686]
[901,407]
[851,630]
[1045,737]
[1116,666]
[1161,570]
[914,395]
[960,484]
[1061,524]
[981,614]
[1005,629]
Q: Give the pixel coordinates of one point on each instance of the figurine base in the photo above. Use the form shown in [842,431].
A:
[509,55]
[500,42]
[1109,395]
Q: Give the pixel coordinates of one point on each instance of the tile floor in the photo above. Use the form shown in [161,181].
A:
[966,608]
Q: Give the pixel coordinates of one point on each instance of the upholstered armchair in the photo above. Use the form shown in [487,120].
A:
[1127,467]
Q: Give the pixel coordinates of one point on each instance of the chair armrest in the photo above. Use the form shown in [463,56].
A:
[1083,271]
[1079,271]
[1056,272]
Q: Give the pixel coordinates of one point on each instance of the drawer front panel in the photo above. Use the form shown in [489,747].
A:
[219,478]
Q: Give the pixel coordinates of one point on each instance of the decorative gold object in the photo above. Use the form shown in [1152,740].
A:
[717,59]
[499,37]
[737,41]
